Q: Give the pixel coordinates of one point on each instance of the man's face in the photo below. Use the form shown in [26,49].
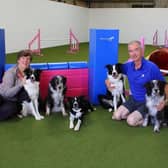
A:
[135,52]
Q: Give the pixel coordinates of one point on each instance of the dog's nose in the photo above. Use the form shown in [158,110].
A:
[156,90]
[75,105]
[32,78]
[114,73]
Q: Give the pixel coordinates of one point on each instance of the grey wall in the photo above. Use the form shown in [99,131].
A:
[22,18]
[133,23]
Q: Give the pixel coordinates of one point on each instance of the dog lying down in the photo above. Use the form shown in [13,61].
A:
[31,86]
[79,106]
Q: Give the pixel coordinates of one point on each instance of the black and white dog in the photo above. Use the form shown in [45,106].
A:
[31,86]
[154,96]
[116,96]
[79,106]
[56,93]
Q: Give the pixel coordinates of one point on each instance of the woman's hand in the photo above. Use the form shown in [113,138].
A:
[23,80]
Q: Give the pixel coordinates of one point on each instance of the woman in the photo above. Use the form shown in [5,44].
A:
[12,92]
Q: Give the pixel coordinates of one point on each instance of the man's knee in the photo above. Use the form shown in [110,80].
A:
[121,113]
[131,121]
[135,119]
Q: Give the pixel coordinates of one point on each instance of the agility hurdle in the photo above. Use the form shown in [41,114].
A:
[142,40]
[2,52]
[166,39]
[73,43]
[36,39]
[155,39]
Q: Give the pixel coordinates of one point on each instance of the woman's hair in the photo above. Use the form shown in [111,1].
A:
[24,53]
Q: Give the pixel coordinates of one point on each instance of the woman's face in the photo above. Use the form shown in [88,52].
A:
[24,62]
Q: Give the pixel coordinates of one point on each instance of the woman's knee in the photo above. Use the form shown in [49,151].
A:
[8,109]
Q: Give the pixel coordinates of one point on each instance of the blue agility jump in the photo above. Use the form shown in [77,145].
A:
[103,49]
[2,52]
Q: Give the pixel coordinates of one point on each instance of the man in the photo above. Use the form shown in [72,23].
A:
[138,71]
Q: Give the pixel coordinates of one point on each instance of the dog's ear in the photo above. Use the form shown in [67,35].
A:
[119,65]
[64,80]
[27,70]
[108,66]
[53,82]
[162,85]
[69,99]
[147,85]
[37,74]
[82,98]
[38,71]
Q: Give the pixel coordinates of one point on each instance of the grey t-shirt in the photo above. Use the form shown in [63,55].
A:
[11,84]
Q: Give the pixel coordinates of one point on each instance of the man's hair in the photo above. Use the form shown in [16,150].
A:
[24,53]
[135,41]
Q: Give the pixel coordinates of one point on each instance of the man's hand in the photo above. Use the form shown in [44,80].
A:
[161,105]
[109,85]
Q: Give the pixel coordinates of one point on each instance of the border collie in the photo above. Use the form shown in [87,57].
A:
[116,97]
[154,96]
[32,88]
[79,106]
[56,93]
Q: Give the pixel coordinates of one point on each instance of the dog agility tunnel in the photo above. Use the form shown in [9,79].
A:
[160,58]
[75,72]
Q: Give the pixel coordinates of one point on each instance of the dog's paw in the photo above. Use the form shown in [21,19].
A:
[47,113]
[71,125]
[156,129]
[145,123]
[76,128]
[113,117]
[64,114]
[42,117]
[110,110]
[20,116]
[38,118]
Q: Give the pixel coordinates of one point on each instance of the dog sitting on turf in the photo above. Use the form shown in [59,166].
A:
[79,106]
[31,86]
[155,94]
[56,93]
[116,97]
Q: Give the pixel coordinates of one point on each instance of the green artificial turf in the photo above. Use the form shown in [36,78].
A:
[101,142]
[60,54]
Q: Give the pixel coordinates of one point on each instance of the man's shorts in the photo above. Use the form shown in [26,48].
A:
[131,104]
